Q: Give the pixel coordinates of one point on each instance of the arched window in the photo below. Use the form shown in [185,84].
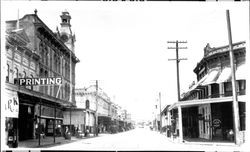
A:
[15,75]
[24,74]
[87,104]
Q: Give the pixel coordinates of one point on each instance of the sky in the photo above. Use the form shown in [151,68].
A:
[124,45]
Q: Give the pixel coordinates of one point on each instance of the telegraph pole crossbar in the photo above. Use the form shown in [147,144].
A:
[177,59]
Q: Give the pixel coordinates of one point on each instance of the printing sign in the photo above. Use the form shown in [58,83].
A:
[40,81]
[12,105]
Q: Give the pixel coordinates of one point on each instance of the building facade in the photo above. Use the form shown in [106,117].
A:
[34,51]
[207,110]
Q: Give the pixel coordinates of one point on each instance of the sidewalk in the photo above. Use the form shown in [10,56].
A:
[200,141]
[49,141]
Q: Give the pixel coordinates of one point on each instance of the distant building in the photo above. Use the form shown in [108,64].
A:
[207,111]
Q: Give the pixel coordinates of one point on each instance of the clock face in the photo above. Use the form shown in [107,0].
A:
[64,38]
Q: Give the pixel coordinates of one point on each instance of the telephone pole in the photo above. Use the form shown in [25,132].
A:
[178,82]
[177,62]
[96,114]
[235,98]
[160,111]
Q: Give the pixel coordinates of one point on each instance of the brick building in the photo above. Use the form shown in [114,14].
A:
[33,50]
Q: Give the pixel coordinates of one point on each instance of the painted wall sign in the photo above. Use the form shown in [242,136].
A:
[40,81]
[11,105]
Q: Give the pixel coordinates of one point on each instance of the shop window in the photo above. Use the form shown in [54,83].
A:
[242,114]
[228,89]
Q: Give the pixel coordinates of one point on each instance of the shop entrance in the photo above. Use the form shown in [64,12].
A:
[190,122]
[222,120]
[26,122]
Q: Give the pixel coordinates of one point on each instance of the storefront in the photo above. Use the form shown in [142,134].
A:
[207,119]
[11,114]
[104,123]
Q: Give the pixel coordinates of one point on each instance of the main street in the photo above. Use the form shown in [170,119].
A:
[137,139]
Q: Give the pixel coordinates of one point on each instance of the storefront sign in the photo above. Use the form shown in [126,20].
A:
[12,105]
[216,123]
[39,81]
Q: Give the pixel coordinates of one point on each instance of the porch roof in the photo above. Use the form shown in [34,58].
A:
[191,103]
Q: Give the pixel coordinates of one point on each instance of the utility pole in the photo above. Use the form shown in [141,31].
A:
[160,111]
[235,98]
[96,114]
[178,82]
[177,62]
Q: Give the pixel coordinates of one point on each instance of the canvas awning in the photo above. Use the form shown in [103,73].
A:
[240,74]
[211,78]
[225,75]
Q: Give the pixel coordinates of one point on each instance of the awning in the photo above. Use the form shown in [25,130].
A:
[241,72]
[212,77]
[225,75]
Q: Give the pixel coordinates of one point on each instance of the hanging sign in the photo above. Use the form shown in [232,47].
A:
[216,123]
[11,105]
[40,81]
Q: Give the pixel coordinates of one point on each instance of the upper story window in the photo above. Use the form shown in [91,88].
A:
[87,104]
[241,89]
[24,74]
[228,89]
[15,75]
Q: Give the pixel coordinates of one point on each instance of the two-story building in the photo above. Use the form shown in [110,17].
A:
[207,110]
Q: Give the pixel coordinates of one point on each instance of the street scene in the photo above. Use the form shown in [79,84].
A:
[124,76]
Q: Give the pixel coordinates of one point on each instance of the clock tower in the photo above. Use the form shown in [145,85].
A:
[66,34]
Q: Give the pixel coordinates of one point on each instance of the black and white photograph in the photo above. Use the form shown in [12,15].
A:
[124,75]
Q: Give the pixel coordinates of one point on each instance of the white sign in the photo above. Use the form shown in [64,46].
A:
[40,81]
[12,105]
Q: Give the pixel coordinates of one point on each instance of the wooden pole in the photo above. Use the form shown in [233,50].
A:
[233,80]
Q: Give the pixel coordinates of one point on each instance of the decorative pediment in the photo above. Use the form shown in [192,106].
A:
[20,36]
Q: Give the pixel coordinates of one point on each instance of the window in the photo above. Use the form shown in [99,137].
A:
[64,20]
[241,89]
[228,88]
[15,75]
[87,104]
[8,73]
[24,74]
